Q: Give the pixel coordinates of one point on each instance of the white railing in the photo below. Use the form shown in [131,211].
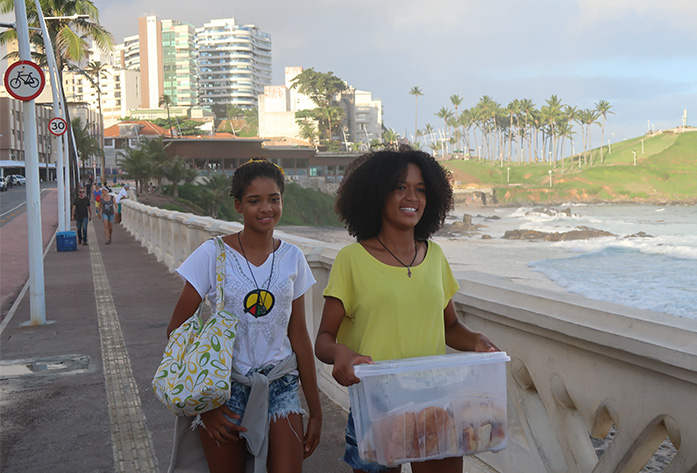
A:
[579,367]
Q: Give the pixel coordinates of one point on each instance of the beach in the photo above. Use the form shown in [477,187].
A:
[496,256]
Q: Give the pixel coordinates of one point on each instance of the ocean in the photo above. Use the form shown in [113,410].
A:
[650,263]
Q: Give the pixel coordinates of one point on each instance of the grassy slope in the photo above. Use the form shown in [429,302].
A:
[666,171]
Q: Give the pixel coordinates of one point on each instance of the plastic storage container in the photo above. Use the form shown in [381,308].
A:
[432,407]
[66,241]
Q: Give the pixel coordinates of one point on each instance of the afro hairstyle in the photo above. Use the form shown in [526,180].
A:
[371,178]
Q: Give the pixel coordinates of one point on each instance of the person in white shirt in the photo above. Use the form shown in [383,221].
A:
[265,285]
[123,194]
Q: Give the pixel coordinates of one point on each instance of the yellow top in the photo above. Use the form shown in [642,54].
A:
[388,314]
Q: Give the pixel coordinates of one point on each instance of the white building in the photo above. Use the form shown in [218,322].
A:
[234,63]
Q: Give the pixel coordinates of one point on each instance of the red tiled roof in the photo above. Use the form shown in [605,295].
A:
[146,128]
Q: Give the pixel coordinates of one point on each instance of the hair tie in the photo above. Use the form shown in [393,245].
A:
[257,160]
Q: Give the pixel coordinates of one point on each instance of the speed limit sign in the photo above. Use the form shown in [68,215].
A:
[57,126]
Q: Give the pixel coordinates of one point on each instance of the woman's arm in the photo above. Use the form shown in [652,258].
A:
[460,337]
[187,304]
[217,426]
[331,352]
[302,347]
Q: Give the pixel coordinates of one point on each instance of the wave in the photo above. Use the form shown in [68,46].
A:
[656,282]
[678,247]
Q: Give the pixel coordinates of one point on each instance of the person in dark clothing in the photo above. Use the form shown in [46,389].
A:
[81,214]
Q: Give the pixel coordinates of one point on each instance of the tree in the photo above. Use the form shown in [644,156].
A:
[178,170]
[135,165]
[166,101]
[69,35]
[217,189]
[97,69]
[156,155]
[415,91]
[446,115]
[322,88]
[603,108]
[86,143]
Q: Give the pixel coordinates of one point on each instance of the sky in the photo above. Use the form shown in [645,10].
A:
[639,55]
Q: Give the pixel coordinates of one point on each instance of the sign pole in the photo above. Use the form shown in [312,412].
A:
[37,296]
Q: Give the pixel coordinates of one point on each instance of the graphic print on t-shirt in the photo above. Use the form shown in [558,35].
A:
[258,302]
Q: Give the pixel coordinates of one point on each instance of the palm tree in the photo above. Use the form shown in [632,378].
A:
[446,115]
[217,189]
[72,24]
[527,108]
[87,144]
[603,108]
[415,91]
[166,101]
[456,100]
[97,69]
[178,170]
[135,165]
[554,112]
[155,153]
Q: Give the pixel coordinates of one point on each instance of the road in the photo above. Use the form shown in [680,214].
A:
[14,252]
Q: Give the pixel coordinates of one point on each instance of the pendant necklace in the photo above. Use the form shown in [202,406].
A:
[408,266]
[258,302]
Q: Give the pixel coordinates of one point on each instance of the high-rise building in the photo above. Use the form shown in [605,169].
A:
[179,63]
[234,63]
[150,52]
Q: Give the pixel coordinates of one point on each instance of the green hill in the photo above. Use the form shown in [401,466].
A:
[666,171]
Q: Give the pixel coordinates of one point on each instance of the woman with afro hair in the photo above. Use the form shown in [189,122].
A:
[389,295]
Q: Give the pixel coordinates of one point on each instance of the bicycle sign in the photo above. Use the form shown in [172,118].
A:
[24,80]
[57,126]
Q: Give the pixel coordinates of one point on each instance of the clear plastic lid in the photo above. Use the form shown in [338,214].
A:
[424,363]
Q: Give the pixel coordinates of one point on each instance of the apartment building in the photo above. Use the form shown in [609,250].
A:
[12,152]
[234,63]
[180,80]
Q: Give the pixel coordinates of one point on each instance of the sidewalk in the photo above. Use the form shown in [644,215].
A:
[75,393]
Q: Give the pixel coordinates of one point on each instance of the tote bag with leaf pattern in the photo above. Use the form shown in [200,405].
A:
[194,374]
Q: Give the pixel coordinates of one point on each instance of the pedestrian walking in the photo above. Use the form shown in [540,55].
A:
[81,213]
[107,210]
[266,279]
[389,295]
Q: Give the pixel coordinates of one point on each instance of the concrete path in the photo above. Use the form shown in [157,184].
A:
[75,393]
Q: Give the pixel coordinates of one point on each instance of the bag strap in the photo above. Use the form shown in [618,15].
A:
[220,275]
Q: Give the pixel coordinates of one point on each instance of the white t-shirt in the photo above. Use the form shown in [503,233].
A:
[122,193]
[260,341]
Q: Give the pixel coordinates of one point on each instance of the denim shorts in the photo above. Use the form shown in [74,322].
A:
[351,454]
[108,218]
[284,398]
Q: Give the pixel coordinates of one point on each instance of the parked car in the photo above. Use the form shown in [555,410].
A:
[3,184]
[19,179]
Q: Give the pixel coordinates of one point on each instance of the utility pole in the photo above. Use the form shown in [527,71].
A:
[37,293]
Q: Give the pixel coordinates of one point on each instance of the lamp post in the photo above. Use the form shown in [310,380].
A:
[62,176]
[37,296]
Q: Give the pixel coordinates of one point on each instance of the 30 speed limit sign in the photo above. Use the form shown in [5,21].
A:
[57,126]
